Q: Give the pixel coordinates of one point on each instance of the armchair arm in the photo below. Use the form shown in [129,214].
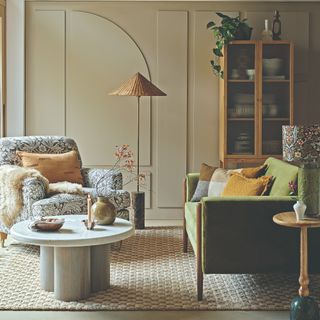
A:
[92,175]
[33,190]
[120,198]
[191,184]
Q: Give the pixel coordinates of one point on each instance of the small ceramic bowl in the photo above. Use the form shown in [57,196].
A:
[47,224]
[272,67]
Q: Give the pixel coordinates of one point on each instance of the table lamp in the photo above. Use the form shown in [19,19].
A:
[301,145]
[138,86]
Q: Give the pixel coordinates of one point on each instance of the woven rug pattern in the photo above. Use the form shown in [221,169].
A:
[150,272]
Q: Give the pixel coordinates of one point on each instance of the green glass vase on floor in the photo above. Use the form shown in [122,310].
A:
[304,308]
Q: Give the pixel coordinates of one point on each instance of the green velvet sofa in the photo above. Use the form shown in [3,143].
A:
[237,234]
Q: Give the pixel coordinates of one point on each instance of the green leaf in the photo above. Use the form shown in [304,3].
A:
[219,45]
[217,52]
[210,25]
[221,15]
[217,68]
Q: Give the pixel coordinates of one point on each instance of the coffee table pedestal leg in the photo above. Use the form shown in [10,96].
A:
[47,268]
[71,273]
[304,307]
[100,267]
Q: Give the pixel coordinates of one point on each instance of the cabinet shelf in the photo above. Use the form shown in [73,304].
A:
[240,119]
[276,81]
[276,119]
[240,81]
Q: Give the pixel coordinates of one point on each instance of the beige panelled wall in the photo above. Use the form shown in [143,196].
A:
[76,52]
[171,111]
[46,111]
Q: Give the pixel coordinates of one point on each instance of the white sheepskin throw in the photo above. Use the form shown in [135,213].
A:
[11,184]
[65,187]
[11,193]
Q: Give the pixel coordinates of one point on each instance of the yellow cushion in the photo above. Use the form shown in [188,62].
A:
[238,185]
[254,172]
[55,167]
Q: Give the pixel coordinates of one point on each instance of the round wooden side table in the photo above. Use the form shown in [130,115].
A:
[303,307]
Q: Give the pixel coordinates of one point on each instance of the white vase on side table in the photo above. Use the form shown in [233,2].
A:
[299,208]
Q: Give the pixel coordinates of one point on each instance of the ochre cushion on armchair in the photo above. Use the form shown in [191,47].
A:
[55,167]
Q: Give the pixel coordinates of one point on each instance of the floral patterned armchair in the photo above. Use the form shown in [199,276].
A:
[37,202]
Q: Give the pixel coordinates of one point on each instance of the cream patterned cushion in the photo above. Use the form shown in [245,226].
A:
[206,172]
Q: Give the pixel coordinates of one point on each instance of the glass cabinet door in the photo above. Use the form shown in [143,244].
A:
[240,98]
[276,95]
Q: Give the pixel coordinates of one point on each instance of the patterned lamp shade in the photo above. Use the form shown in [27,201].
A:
[301,144]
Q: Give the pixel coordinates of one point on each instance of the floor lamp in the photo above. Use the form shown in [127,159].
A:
[138,86]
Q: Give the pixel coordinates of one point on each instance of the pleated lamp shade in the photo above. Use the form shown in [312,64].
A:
[138,86]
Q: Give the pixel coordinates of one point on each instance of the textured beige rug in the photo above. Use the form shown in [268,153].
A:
[149,273]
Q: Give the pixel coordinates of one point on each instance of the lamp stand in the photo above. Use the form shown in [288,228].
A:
[138,147]
[138,197]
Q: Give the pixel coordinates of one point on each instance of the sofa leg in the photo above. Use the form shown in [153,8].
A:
[3,237]
[199,283]
[185,234]
[199,254]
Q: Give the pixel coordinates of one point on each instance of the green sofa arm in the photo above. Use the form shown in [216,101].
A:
[191,184]
[239,235]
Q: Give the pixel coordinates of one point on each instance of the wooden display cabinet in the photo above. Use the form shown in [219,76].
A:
[256,99]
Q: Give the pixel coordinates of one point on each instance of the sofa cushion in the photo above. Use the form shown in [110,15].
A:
[282,173]
[239,185]
[220,177]
[254,172]
[218,182]
[206,172]
[55,167]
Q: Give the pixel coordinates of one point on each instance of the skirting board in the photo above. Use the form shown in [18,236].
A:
[163,223]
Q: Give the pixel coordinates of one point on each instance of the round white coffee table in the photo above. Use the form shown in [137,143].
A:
[74,261]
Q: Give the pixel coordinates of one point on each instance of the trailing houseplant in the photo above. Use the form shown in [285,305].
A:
[229,29]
